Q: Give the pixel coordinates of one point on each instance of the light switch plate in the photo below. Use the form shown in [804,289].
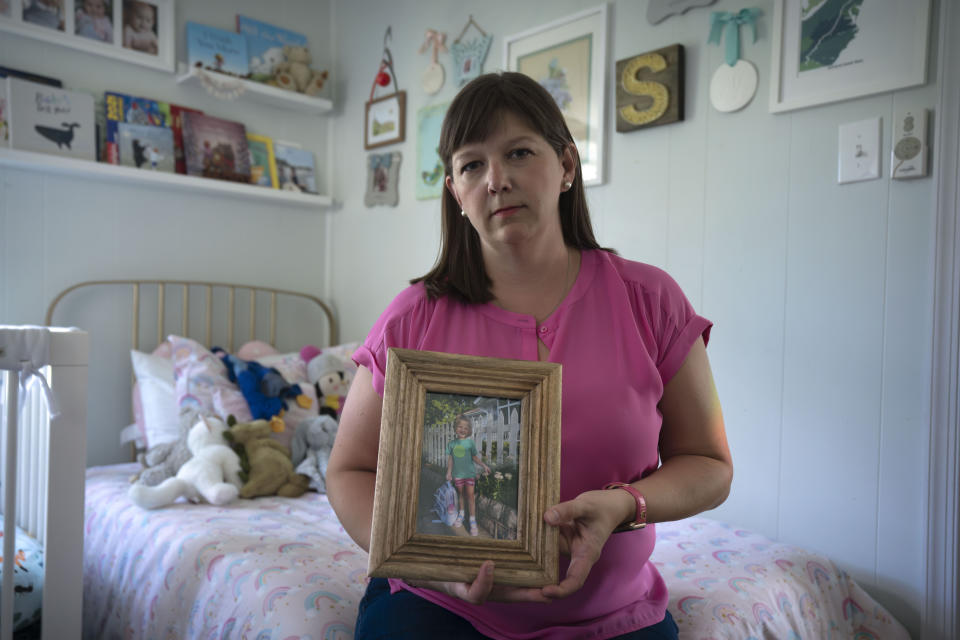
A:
[858,156]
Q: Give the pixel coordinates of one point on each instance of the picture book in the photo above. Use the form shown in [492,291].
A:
[215,49]
[263,164]
[50,120]
[4,110]
[296,169]
[119,108]
[174,114]
[146,147]
[265,44]
[26,75]
[215,148]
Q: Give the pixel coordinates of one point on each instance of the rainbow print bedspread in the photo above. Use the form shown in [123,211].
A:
[284,569]
[271,568]
[727,583]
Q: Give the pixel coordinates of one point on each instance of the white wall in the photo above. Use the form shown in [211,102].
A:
[821,293]
[56,231]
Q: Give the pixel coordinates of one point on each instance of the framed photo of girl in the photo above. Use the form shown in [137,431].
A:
[568,57]
[469,461]
[136,31]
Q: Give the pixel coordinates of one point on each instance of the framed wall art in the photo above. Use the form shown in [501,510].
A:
[569,58]
[429,173]
[447,418]
[384,120]
[136,31]
[831,51]
[650,89]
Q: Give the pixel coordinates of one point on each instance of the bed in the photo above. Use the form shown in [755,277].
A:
[284,568]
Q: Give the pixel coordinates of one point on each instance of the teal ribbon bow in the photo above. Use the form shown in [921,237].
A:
[732,22]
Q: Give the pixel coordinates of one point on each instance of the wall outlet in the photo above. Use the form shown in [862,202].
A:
[908,156]
[859,151]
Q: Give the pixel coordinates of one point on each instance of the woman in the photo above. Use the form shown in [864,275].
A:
[520,275]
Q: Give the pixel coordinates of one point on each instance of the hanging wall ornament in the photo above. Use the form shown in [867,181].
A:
[734,83]
[660,10]
[383,171]
[385,117]
[469,55]
[433,76]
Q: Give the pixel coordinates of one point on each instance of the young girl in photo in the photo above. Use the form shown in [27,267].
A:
[461,456]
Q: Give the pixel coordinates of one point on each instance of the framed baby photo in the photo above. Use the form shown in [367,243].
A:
[469,461]
[384,120]
[136,31]
[568,57]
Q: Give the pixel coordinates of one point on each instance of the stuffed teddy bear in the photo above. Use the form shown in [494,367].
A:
[295,74]
[310,449]
[271,472]
[330,377]
[212,474]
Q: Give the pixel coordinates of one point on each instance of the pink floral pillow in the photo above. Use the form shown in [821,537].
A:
[198,375]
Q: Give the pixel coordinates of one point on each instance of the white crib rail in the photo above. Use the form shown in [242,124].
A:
[46,480]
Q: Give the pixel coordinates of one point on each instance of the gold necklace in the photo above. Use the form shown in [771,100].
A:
[563,293]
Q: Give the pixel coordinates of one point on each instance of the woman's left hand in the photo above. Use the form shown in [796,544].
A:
[585,523]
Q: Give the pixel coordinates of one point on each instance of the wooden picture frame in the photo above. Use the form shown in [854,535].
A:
[94,37]
[399,545]
[569,58]
[384,120]
[882,47]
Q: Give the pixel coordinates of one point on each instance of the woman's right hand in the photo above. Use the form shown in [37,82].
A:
[483,590]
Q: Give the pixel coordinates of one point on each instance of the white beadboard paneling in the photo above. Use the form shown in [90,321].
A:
[833,355]
[744,272]
[908,322]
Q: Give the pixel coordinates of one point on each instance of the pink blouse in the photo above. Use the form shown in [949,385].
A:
[622,332]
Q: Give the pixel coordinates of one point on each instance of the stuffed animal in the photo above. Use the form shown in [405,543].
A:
[330,377]
[271,472]
[310,449]
[212,474]
[264,388]
[162,461]
[295,74]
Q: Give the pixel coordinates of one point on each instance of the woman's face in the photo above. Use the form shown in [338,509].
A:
[510,184]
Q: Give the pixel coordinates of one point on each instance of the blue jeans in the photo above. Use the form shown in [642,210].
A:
[406,616]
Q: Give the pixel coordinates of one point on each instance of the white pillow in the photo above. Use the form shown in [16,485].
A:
[161,416]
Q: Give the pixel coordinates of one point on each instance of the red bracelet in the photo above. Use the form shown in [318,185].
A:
[640,521]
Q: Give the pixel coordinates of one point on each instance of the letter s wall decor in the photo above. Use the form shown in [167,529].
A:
[650,89]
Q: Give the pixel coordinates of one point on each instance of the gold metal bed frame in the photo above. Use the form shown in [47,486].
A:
[208,287]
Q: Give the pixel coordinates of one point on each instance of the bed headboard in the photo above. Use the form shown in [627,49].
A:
[187,290]
[121,315]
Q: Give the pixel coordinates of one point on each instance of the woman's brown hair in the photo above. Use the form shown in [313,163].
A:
[473,115]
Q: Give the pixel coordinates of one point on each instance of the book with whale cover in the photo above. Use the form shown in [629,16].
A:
[48,119]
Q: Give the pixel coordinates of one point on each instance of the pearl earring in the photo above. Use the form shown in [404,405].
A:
[463,213]
[567,185]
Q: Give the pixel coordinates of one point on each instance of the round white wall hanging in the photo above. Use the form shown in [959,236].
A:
[732,88]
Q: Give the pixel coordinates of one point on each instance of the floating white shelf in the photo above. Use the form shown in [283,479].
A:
[46,163]
[265,94]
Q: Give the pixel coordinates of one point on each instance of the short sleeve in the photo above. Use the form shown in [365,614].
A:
[673,323]
[402,325]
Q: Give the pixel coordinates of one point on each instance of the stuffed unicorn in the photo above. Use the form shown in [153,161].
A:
[212,474]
